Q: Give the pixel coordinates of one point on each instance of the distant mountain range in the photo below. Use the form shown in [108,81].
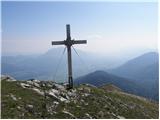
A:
[52,65]
[139,76]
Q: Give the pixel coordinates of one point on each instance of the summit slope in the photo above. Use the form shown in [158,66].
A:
[47,99]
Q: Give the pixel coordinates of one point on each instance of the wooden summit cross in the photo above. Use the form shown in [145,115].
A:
[68,43]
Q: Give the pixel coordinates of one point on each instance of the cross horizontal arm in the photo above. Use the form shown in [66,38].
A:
[58,42]
[79,41]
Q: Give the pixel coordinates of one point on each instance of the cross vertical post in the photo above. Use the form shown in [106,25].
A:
[68,43]
[70,79]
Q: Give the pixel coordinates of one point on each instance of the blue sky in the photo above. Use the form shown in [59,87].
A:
[109,27]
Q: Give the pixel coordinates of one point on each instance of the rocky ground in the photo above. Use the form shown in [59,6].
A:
[47,99]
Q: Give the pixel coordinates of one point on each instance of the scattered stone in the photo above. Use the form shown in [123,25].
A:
[105,106]
[42,84]
[72,94]
[37,81]
[30,82]
[34,83]
[22,115]
[80,88]
[67,97]
[120,117]
[13,97]
[85,89]
[78,106]
[66,112]
[24,85]
[74,101]
[90,85]
[85,103]
[19,98]
[18,107]
[50,85]
[86,94]
[101,113]
[62,99]
[51,94]
[82,100]
[38,91]
[7,78]
[54,91]
[30,106]
[54,112]
[59,87]
[113,114]
[56,103]
[88,115]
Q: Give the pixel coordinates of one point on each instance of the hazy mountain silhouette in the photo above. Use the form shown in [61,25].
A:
[144,70]
[44,66]
[146,63]
[101,78]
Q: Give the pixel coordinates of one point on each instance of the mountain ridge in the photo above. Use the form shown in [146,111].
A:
[100,78]
[144,70]
[47,99]
[128,68]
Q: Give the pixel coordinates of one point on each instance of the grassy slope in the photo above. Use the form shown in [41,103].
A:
[99,104]
[24,97]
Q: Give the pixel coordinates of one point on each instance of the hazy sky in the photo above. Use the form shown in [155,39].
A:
[109,27]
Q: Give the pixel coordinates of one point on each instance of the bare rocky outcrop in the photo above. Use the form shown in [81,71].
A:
[7,78]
